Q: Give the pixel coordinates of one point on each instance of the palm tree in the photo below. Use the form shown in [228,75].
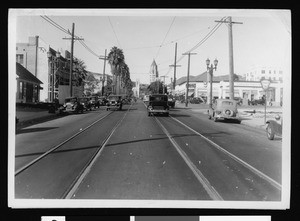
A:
[116,61]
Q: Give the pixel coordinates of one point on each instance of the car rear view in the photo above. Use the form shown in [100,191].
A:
[158,104]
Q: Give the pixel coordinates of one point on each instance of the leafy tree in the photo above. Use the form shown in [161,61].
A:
[90,84]
[156,87]
[79,72]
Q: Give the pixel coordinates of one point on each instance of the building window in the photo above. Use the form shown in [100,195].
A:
[270,72]
[263,71]
[21,90]
[20,58]
[280,78]
[274,72]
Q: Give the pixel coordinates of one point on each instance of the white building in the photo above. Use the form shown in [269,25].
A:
[153,72]
[258,73]
[249,90]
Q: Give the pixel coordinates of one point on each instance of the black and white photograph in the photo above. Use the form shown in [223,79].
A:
[149,108]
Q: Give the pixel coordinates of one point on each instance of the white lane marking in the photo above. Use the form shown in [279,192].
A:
[57,146]
[201,178]
[87,169]
[248,166]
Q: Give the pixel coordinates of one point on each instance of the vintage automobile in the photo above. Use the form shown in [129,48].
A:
[171,101]
[146,99]
[114,102]
[71,105]
[224,109]
[158,104]
[196,100]
[274,127]
[93,102]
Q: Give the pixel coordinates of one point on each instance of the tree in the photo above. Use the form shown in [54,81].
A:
[116,61]
[79,71]
[156,87]
[90,84]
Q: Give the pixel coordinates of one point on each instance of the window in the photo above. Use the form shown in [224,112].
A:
[20,58]
[263,71]
[274,72]
[270,72]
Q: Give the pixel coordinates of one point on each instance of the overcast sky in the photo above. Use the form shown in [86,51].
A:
[262,40]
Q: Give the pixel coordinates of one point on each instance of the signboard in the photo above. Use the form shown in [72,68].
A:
[265,83]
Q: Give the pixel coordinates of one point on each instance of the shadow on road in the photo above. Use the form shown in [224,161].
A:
[38,129]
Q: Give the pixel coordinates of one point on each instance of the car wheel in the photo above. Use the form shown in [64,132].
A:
[238,121]
[149,114]
[215,119]
[167,114]
[270,132]
[209,117]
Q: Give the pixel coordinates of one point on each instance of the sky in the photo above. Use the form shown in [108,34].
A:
[264,38]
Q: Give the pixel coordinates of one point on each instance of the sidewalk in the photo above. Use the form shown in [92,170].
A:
[28,116]
[253,116]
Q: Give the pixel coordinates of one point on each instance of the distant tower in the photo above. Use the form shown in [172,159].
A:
[153,72]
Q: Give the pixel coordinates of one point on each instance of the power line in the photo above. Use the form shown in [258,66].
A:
[165,37]
[114,31]
[212,31]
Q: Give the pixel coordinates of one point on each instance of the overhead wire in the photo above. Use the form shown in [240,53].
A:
[114,31]
[212,31]
[165,37]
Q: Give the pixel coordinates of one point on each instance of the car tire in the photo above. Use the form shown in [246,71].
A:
[149,114]
[215,119]
[238,121]
[270,132]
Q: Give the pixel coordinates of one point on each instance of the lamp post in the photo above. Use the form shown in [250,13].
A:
[210,70]
[53,60]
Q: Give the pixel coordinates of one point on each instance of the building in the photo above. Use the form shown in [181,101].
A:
[28,86]
[258,73]
[33,57]
[153,72]
[250,90]
[136,88]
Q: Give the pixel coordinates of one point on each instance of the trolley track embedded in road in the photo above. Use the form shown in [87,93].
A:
[58,146]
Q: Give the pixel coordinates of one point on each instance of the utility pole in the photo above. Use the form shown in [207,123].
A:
[231,69]
[188,77]
[174,65]
[103,78]
[72,54]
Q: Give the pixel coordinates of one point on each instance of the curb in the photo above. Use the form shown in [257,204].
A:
[26,123]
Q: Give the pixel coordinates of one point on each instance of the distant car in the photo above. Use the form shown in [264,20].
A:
[224,109]
[274,127]
[257,101]
[84,101]
[171,101]
[239,100]
[196,100]
[94,102]
[114,102]
[71,105]
[158,104]
[146,99]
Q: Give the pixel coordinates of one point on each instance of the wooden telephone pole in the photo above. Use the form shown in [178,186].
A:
[72,54]
[103,78]
[188,77]
[231,71]
[174,65]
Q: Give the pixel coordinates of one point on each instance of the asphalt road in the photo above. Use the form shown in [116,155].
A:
[128,155]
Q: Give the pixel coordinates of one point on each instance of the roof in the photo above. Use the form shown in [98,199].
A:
[203,77]
[26,75]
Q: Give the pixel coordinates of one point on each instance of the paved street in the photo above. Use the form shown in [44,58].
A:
[127,155]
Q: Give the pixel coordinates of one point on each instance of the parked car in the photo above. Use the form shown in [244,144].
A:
[171,101]
[71,105]
[196,100]
[239,100]
[114,102]
[257,101]
[94,102]
[158,104]
[224,109]
[274,127]
[84,101]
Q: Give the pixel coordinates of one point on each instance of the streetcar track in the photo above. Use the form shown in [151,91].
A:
[202,179]
[85,171]
[57,146]
[237,159]
[214,195]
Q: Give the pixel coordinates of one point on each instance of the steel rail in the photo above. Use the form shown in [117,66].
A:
[214,195]
[85,171]
[237,159]
[57,146]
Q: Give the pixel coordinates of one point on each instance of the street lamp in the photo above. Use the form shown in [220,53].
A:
[210,70]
